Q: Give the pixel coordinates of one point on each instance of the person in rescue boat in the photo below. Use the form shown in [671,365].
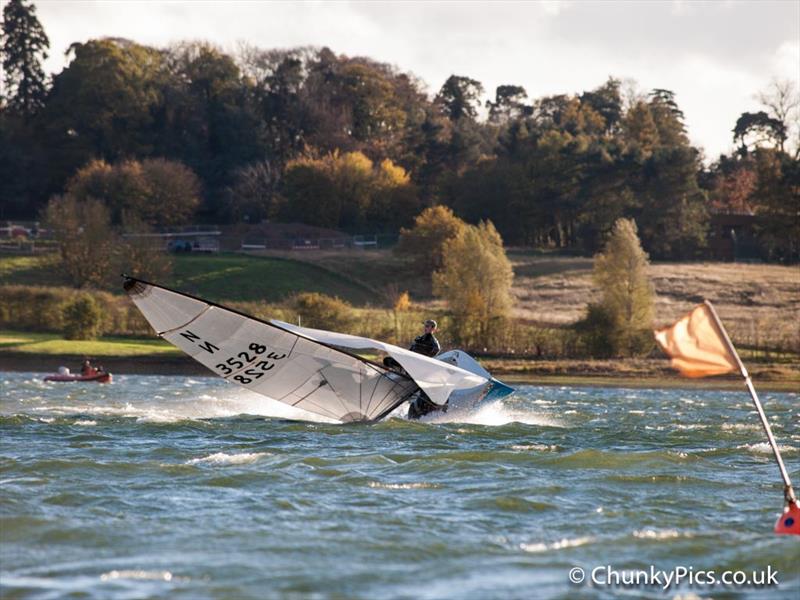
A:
[428,345]
[87,370]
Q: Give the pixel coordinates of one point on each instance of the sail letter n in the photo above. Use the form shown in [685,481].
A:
[194,338]
[696,345]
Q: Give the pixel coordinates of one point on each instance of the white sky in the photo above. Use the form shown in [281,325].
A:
[714,55]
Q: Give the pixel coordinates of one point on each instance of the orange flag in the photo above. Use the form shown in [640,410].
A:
[697,346]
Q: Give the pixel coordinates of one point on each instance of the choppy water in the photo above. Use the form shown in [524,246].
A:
[175,487]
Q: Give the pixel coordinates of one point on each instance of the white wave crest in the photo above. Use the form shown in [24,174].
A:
[740,427]
[559,545]
[137,574]
[535,447]
[658,534]
[403,486]
[220,458]
[86,422]
[765,448]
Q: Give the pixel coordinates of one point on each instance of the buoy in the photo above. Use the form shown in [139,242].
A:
[789,521]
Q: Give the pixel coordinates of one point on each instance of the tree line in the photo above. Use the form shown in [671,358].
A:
[306,134]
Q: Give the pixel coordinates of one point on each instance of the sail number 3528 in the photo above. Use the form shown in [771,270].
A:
[255,371]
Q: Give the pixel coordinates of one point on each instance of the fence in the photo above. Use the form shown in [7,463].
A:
[23,246]
[356,242]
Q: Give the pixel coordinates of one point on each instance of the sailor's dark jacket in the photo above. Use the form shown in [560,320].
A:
[426,344]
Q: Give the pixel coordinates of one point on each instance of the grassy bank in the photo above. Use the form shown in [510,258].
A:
[51,344]
[22,351]
[218,277]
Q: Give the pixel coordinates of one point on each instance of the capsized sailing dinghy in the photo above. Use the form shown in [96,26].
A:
[316,370]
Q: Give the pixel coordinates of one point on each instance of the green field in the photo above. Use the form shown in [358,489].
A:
[31,270]
[49,344]
[217,277]
[249,278]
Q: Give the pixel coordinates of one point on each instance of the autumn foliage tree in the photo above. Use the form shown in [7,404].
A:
[475,280]
[85,239]
[348,142]
[154,191]
[348,191]
[424,243]
[621,323]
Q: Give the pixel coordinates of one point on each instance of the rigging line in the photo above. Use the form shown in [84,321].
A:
[361,379]
[289,393]
[319,385]
[406,391]
[361,375]
[189,322]
[390,392]
[320,410]
[316,407]
[399,396]
[379,416]
[335,392]
[384,377]
[375,381]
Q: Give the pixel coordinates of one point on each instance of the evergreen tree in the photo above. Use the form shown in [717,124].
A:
[620,272]
[24,47]
[672,208]
[460,97]
[777,204]
[639,130]
[668,118]
[101,105]
[607,101]
[509,104]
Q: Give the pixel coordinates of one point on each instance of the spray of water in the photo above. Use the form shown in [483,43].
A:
[495,414]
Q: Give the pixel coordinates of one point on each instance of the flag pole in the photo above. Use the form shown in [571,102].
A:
[788,490]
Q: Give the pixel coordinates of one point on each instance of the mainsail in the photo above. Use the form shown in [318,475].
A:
[309,368]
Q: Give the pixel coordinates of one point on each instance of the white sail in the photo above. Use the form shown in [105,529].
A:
[272,360]
[436,378]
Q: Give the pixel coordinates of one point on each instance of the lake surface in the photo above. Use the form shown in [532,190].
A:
[176,487]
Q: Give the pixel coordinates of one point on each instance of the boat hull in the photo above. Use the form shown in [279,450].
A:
[472,400]
[99,378]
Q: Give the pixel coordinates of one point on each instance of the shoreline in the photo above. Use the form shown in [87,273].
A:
[547,373]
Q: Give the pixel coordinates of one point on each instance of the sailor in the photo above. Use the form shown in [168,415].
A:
[428,345]
[87,370]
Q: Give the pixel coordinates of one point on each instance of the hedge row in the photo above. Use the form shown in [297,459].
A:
[48,309]
[32,308]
